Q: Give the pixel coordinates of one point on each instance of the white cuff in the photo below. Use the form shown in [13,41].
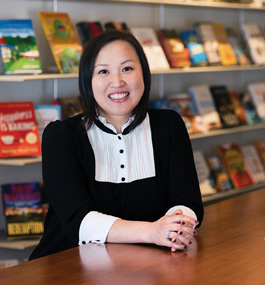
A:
[186,211]
[95,227]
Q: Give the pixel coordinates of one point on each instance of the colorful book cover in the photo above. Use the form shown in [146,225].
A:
[195,47]
[260,145]
[63,40]
[152,48]
[238,47]
[160,103]
[176,53]
[19,134]
[46,114]
[207,37]
[18,47]
[234,161]
[88,30]
[225,49]
[250,110]
[204,175]
[220,177]
[255,42]
[224,106]
[254,163]
[70,106]
[183,104]
[205,107]
[22,210]
[239,108]
[257,94]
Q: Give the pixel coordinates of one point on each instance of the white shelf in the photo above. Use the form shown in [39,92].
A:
[228,131]
[203,4]
[49,76]
[220,196]
[20,161]
[16,244]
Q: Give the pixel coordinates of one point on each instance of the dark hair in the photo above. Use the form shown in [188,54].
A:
[86,68]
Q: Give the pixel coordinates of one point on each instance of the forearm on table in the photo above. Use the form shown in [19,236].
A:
[123,231]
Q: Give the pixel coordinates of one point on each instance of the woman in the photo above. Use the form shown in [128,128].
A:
[118,173]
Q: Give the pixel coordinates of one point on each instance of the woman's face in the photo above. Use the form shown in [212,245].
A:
[117,81]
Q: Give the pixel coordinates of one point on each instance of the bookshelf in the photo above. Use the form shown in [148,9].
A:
[42,88]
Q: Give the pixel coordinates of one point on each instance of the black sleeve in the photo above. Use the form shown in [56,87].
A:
[63,176]
[174,156]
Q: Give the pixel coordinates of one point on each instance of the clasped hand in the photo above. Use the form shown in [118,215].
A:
[175,231]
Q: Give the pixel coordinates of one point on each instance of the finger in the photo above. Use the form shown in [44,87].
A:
[177,212]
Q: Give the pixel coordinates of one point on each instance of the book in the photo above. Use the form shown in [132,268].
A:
[196,51]
[254,163]
[46,114]
[18,47]
[184,105]
[218,173]
[121,26]
[22,210]
[152,48]
[176,53]
[70,106]
[260,145]
[257,94]
[88,30]
[207,37]
[238,106]
[203,172]
[160,103]
[250,110]
[238,47]
[63,40]
[225,49]
[19,134]
[205,107]
[224,106]
[255,42]
[234,161]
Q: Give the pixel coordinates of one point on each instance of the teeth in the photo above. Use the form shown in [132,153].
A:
[118,96]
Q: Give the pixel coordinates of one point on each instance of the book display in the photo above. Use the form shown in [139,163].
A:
[166,81]
[18,48]
[63,40]
[22,210]
[257,94]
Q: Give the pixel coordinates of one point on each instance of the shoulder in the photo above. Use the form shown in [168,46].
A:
[65,128]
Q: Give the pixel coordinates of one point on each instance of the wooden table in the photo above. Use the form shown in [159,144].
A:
[229,249]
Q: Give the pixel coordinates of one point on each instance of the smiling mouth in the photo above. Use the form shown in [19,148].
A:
[119,95]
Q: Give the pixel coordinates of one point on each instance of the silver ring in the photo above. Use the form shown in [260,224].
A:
[168,236]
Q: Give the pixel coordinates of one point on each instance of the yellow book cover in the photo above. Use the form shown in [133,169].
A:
[225,48]
[63,40]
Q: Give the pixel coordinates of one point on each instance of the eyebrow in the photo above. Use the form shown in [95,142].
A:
[123,62]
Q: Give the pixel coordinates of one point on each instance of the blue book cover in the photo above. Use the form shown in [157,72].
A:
[196,50]
[22,210]
[18,47]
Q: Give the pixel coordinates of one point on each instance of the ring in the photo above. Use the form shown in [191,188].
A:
[168,236]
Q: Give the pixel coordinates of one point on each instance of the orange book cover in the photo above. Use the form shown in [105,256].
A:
[233,158]
[18,130]
[63,40]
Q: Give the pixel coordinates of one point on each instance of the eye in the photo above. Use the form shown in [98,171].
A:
[103,71]
[127,68]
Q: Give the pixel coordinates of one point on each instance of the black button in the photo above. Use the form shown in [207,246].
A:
[119,137]
[121,150]
[123,179]
[122,166]
[83,242]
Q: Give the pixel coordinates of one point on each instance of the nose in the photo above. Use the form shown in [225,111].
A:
[117,80]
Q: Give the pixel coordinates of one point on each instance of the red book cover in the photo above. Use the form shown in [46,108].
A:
[18,130]
[233,158]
